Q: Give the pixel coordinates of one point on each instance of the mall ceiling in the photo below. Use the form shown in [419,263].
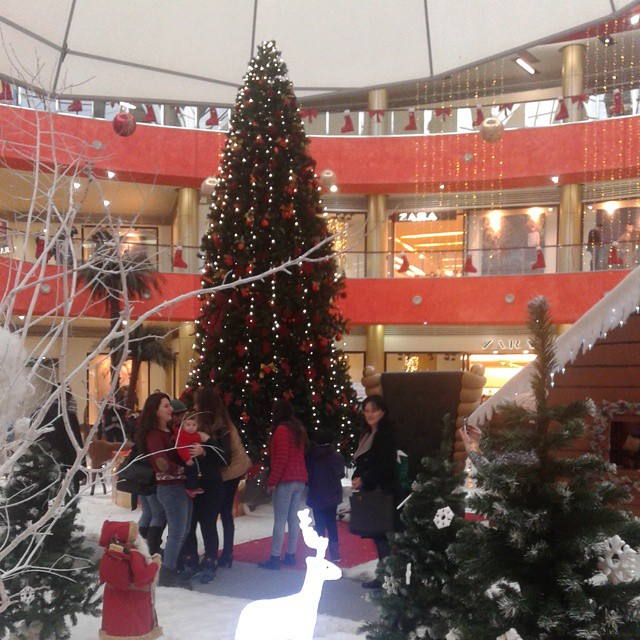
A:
[195,52]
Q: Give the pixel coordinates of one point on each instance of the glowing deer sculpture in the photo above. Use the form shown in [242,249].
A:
[292,617]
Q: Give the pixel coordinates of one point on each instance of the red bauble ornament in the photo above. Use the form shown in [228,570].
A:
[124,124]
[265,223]
[245,418]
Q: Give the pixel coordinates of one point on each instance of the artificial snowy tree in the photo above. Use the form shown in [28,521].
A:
[416,574]
[275,336]
[548,565]
[57,579]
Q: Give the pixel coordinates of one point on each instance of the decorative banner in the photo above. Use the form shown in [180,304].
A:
[479,119]
[178,260]
[412,126]
[5,92]
[444,113]
[405,263]
[348,122]
[75,106]
[377,114]
[506,108]
[212,120]
[539,263]
[311,114]
[563,112]
[468,266]
[150,116]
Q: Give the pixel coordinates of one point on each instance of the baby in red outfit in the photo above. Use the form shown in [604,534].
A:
[186,435]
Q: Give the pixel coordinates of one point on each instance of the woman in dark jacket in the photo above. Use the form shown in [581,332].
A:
[207,505]
[376,464]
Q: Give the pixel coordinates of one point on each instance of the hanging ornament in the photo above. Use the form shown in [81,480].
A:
[444,113]
[563,112]
[412,126]
[310,114]
[6,94]
[75,106]
[479,119]
[124,124]
[27,595]
[617,108]
[328,180]
[378,114]
[491,129]
[212,120]
[581,100]
[39,245]
[506,108]
[614,259]
[468,266]
[178,260]
[539,263]
[348,122]
[443,517]
[617,560]
[150,116]
[207,188]
[404,267]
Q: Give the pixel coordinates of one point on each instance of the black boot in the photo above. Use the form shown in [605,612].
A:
[171,578]
[272,563]
[207,570]
[154,539]
[225,560]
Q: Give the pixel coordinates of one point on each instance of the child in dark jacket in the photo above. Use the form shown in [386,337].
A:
[326,469]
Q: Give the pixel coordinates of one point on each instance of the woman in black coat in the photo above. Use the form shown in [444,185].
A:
[376,464]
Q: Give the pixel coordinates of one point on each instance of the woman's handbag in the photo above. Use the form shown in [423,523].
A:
[372,513]
[136,475]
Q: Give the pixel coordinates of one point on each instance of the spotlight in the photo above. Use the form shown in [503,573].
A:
[606,40]
[555,179]
[526,61]
[634,19]
[110,175]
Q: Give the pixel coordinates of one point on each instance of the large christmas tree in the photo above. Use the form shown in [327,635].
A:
[557,559]
[51,576]
[415,600]
[274,337]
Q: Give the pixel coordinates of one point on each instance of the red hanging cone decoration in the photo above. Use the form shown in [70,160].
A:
[616,108]
[614,259]
[178,260]
[468,266]
[405,263]
[150,116]
[348,122]
[75,106]
[39,246]
[539,263]
[311,114]
[479,119]
[412,126]
[212,120]
[444,113]
[563,112]
[378,114]
[5,92]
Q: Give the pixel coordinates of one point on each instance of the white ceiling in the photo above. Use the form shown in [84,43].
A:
[196,51]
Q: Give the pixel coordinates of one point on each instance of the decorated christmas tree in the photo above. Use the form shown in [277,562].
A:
[276,336]
[556,560]
[49,577]
[416,574]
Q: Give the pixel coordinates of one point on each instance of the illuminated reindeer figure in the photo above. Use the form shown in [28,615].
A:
[292,617]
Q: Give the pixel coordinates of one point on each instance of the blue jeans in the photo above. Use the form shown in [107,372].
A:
[177,507]
[152,512]
[287,498]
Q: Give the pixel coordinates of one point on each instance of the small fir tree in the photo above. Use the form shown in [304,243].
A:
[537,571]
[60,580]
[416,574]
[274,337]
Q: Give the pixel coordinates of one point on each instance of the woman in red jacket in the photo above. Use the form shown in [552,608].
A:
[287,479]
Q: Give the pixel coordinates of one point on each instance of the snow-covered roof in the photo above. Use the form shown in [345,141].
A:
[612,311]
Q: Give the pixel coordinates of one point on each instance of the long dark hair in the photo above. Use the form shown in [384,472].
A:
[379,403]
[284,413]
[212,414]
[148,420]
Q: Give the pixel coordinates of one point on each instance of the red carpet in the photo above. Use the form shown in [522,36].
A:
[354,550]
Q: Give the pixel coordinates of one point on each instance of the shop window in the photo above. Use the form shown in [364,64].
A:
[131,239]
[620,222]
[349,244]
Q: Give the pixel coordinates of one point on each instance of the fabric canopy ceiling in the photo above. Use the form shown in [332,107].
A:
[196,51]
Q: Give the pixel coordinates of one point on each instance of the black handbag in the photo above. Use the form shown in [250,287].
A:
[136,475]
[372,513]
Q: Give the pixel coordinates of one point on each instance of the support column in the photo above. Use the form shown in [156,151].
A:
[187,228]
[378,102]
[374,354]
[186,337]
[570,214]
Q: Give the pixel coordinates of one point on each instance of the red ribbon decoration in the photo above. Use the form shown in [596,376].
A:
[312,114]
[377,114]
[506,108]
[444,113]
[582,99]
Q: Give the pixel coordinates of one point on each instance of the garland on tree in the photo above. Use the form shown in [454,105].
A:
[60,579]
[274,337]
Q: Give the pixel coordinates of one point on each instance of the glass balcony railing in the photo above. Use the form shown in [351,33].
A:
[600,105]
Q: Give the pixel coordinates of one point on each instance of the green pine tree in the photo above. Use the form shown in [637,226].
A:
[419,556]
[536,568]
[61,581]
[274,337]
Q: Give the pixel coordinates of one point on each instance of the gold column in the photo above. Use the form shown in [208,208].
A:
[573,79]
[376,243]
[187,226]
[569,231]
[186,337]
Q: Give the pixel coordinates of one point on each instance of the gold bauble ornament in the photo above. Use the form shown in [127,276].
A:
[491,129]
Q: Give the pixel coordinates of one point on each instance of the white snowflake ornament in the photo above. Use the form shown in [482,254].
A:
[443,517]
[27,595]
[512,634]
[617,560]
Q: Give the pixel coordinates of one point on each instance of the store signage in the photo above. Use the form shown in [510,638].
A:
[417,216]
[4,250]
[504,343]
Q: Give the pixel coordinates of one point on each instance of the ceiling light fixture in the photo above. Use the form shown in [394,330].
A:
[106,203]
[110,175]
[634,19]
[606,40]
[526,61]
[76,185]
[555,179]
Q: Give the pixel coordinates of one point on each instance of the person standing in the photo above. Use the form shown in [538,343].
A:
[326,470]
[287,479]
[376,465]
[594,246]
